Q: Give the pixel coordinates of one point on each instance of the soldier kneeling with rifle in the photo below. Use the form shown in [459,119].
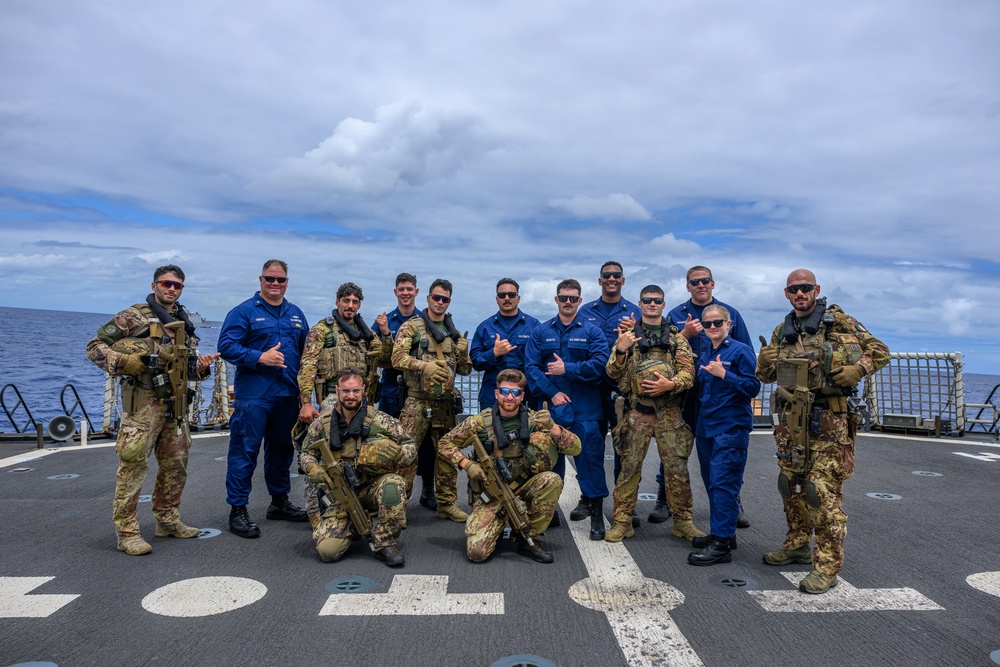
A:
[358,457]
[510,472]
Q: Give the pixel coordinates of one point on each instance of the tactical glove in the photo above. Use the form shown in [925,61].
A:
[132,364]
[768,356]
[847,376]
[436,372]
[318,476]
[475,471]
[461,346]
[381,449]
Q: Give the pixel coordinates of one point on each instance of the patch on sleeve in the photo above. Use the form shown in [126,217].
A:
[110,333]
[860,327]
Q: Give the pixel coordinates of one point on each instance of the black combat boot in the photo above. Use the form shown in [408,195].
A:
[282,509]
[741,519]
[536,551]
[240,523]
[636,521]
[662,511]
[427,497]
[597,519]
[581,511]
[705,540]
[391,556]
[555,523]
[717,551]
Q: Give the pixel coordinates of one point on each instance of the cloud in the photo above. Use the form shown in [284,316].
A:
[161,256]
[616,206]
[672,247]
[20,261]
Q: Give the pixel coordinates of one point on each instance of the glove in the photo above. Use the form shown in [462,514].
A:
[847,376]
[436,372]
[318,476]
[475,471]
[132,364]
[462,346]
[380,450]
[768,356]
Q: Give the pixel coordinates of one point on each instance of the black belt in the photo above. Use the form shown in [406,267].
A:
[644,409]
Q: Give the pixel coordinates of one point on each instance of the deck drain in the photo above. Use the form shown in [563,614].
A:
[927,473]
[647,496]
[21,470]
[884,496]
[350,585]
[742,583]
[206,533]
[523,660]
[68,475]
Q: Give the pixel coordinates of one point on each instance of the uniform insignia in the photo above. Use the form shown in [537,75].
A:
[111,329]
[861,327]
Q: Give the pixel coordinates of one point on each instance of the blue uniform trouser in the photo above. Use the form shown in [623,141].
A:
[726,458]
[590,460]
[390,404]
[262,420]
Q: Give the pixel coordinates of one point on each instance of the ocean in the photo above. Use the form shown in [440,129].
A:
[41,351]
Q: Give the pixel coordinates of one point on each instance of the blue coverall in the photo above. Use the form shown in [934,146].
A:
[266,404]
[725,420]
[584,350]
[390,402]
[516,330]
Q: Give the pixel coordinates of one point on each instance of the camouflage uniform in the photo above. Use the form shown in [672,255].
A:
[429,407]
[832,458]
[650,417]
[144,428]
[382,459]
[530,463]
[329,348]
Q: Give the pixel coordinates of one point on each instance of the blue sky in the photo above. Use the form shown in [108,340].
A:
[537,140]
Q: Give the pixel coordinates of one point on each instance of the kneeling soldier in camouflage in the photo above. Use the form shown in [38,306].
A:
[359,458]
[514,451]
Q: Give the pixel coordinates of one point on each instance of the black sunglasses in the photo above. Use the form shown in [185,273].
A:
[652,299]
[440,298]
[170,284]
[510,391]
[275,279]
[708,324]
[694,282]
[506,295]
[563,298]
[611,274]
[805,288]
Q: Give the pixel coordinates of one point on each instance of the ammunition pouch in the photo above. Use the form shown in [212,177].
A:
[134,396]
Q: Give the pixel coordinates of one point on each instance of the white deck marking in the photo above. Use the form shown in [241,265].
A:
[413,595]
[981,456]
[203,596]
[39,453]
[987,582]
[16,603]
[636,607]
[844,597]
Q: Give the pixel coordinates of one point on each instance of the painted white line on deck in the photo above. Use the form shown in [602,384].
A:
[981,456]
[636,607]
[16,603]
[203,596]
[987,582]
[414,595]
[38,453]
[843,597]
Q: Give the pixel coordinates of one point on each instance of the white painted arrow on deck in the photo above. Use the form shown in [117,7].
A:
[413,595]
[16,603]
[843,597]
[637,607]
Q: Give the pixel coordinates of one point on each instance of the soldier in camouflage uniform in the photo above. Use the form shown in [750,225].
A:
[336,342]
[430,352]
[840,352]
[382,454]
[123,348]
[653,365]
[529,442]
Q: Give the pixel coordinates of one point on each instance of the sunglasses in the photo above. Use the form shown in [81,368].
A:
[170,284]
[652,299]
[611,274]
[275,279]
[563,298]
[440,298]
[709,324]
[506,295]
[805,288]
[694,282]
[510,391]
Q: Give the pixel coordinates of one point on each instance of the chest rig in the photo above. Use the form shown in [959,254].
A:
[514,447]
[344,344]
[430,345]
[816,340]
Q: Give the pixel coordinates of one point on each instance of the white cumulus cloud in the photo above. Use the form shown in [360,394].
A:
[617,206]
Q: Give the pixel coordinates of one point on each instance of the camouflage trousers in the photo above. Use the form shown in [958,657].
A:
[416,425]
[143,433]
[484,528]
[832,465]
[389,523]
[674,442]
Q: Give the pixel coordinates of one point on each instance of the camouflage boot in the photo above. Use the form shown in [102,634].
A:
[816,582]
[134,545]
[619,532]
[175,529]
[451,512]
[782,557]
[685,528]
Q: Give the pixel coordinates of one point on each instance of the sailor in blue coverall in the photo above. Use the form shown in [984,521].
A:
[564,362]
[726,384]
[263,339]
[406,291]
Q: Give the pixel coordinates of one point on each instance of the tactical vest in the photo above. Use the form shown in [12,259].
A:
[138,390]
[825,349]
[339,351]
[424,349]
[348,448]
[525,456]
[647,361]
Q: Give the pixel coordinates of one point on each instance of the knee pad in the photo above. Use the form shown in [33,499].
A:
[391,495]
[332,548]
[812,495]
[784,486]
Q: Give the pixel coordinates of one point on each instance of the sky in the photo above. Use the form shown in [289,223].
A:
[474,140]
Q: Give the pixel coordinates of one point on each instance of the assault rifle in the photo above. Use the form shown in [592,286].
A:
[343,484]
[497,487]
[178,366]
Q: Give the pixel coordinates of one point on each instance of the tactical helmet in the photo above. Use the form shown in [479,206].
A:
[647,370]
[544,452]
